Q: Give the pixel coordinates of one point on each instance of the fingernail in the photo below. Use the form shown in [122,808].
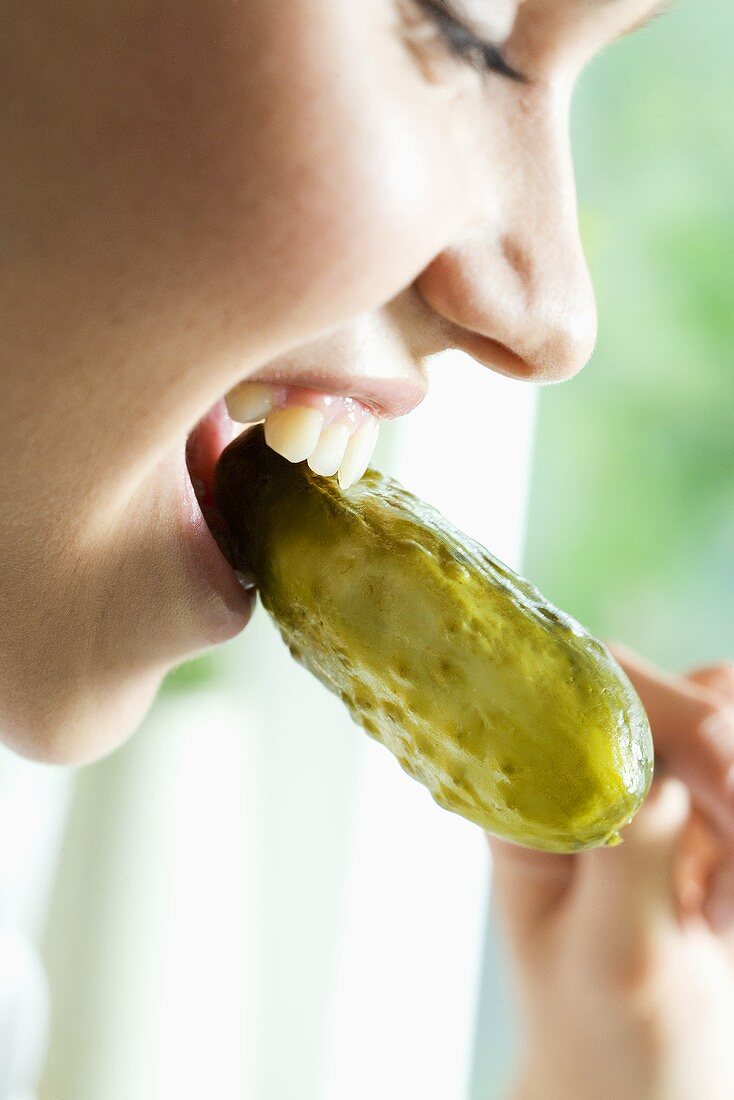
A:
[247,581]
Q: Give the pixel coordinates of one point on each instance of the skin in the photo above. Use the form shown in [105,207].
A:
[624,959]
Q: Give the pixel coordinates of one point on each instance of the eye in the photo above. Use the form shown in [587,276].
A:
[465,43]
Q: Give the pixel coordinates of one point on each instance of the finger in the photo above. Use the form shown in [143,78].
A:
[718,887]
[528,885]
[718,678]
[700,854]
[631,888]
[693,732]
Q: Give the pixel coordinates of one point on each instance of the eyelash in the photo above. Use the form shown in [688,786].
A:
[465,44]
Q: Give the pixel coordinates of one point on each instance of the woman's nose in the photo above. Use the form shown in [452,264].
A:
[516,288]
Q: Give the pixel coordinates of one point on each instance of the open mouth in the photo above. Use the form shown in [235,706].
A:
[335,434]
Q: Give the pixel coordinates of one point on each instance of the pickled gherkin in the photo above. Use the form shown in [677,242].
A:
[506,709]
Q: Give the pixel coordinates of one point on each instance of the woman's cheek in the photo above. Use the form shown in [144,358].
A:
[313,171]
[235,180]
[353,201]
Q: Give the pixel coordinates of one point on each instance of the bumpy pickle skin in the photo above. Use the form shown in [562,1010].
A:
[506,709]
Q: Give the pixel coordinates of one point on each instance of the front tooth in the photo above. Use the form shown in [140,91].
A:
[293,432]
[358,453]
[329,453]
[250,401]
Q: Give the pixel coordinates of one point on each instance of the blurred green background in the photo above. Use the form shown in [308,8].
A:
[632,507]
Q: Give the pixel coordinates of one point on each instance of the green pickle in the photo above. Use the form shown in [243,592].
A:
[508,711]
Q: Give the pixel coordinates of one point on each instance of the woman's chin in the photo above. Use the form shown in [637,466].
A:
[82,727]
[128,593]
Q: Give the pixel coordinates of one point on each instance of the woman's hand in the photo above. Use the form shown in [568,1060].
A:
[624,957]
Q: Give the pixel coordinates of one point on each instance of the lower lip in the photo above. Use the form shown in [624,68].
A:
[232,596]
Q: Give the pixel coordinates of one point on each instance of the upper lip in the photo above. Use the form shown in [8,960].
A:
[388,397]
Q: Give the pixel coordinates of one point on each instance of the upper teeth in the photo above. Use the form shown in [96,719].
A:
[294,432]
[358,453]
[250,402]
[334,434]
[329,453]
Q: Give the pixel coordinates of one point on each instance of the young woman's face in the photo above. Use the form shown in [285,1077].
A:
[193,193]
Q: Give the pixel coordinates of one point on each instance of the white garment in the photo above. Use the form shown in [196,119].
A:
[32,805]
[23,1016]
